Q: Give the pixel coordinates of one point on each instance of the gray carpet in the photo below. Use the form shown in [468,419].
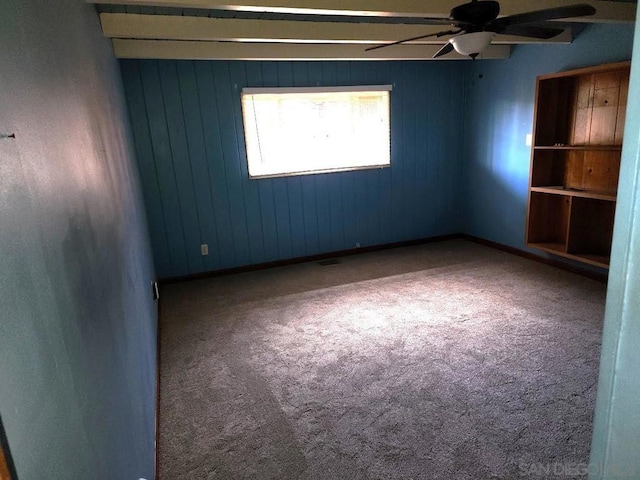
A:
[443,361]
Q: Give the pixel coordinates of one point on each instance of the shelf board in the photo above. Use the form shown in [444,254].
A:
[594,259]
[578,147]
[557,248]
[575,193]
[597,260]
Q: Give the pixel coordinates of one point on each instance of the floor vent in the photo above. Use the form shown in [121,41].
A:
[329,261]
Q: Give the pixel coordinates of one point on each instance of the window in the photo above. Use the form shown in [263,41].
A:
[298,131]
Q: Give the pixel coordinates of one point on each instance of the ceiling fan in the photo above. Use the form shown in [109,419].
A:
[476,24]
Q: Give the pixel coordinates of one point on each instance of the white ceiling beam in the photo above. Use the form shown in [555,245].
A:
[187,50]
[174,27]
[607,11]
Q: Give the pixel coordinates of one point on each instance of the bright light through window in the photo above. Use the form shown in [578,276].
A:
[298,131]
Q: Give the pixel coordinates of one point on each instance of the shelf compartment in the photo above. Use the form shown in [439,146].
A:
[549,217]
[587,109]
[555,100]
[599,109]
[549,167]
[591,228]
[594,171]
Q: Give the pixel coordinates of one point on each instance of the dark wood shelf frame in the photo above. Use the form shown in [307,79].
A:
[578,147]
[575,161]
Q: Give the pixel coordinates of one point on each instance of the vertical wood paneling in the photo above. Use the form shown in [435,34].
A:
[408,180]
[420,215]
[147,168]
[238,77]
[181,163]
[193,164]
[398,149]
[162,154]
[194,125]
[453,169]
[216,169]
[283,223]
[224,90]
[436,137]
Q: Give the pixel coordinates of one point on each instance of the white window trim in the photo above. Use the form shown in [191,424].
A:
[283,90]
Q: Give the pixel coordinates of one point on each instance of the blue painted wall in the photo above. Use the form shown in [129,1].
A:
[77,322]
[187,124]
[499,115]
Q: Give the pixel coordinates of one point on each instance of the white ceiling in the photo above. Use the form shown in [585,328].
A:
[308,29]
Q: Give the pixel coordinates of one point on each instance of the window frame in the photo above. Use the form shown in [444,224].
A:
[387,88]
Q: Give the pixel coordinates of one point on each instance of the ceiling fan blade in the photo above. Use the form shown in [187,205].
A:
[448,47]
[544,33]
[569,11]
[444,22]
[438,34]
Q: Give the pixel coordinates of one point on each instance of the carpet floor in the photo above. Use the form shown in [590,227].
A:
[448,360]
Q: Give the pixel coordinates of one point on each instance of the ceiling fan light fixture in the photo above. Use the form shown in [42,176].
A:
[472,44]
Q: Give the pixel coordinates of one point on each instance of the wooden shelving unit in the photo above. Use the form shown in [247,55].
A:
[575,161]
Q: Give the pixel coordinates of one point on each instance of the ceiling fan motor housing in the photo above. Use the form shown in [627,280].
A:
[472,44]
[476,12]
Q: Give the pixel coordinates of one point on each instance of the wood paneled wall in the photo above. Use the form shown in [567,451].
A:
[187,124]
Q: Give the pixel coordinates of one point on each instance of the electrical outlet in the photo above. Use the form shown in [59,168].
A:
[357,244]
[204,249]
[528,140]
